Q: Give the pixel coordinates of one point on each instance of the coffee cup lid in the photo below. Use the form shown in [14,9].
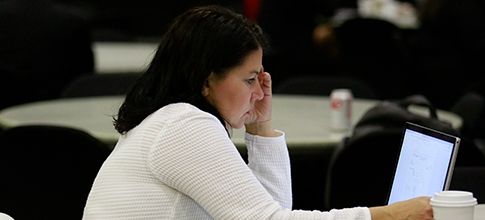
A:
[453,198]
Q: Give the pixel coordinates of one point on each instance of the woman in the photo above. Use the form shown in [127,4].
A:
[175,159]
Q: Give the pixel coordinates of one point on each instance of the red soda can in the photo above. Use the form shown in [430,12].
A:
[341,109]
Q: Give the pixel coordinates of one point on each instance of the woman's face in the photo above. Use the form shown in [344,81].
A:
[235,95]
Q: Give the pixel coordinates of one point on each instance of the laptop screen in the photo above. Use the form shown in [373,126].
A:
[425,163]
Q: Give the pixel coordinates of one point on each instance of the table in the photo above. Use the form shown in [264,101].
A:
[479,212]
[122,57]
[304,119]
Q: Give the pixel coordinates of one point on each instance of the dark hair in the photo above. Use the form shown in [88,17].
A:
[201,41]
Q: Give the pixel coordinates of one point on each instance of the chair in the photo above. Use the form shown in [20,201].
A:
[12,82]
[47,171]
[322,85]
[100,85]
[470,179]
[360,174]
[470,108]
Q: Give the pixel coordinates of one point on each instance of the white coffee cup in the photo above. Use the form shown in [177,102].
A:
[453,205]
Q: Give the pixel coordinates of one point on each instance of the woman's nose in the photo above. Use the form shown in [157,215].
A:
[257,93]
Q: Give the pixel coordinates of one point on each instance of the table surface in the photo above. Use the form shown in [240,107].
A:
[122,57]
[479,212]
[304,119]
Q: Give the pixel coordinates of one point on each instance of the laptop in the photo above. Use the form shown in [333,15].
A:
[425,163]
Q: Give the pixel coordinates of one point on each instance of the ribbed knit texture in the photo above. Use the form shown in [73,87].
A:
[179,163]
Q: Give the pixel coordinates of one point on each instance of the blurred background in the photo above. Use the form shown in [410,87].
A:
[400,48]
[397,48]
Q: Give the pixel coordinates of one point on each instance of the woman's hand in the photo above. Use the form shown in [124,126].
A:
[260,122]
[262,108]
[412,209]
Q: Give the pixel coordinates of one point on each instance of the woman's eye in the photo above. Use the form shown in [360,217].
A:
[251,81]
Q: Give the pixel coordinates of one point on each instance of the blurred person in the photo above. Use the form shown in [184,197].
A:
[369,40]
[42,47]
[175,158]
[332,38]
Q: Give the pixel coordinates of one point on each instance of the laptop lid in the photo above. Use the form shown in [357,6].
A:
[425,163]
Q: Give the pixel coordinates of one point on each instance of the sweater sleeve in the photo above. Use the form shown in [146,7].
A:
[270,162]
[194,155]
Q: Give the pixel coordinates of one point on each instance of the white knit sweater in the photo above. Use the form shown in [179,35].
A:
[179,163]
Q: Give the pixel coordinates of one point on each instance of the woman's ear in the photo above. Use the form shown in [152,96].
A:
[207,83]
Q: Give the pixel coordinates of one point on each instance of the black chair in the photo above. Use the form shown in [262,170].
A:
[15,89]
[361,170]
[47,171]
[470,108]
[100,85]
[470,179]
[322,85]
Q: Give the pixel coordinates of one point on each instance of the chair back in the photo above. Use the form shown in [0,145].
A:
[323,86]
[361,170]
[471,107]
[100,85]
[470,179]
[47,171]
